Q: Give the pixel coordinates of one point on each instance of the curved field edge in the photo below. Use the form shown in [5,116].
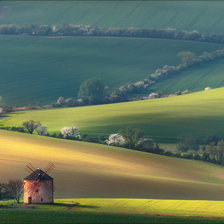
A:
[105,210]
[93,170]
[165,119]
[47,68]
[67,217]
[146,206]
[204,16]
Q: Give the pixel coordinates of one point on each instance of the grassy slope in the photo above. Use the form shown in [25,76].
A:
[62,217]
[198,113]
[91,170]
[142,206]
[47,68]
[199,15]
[99,210]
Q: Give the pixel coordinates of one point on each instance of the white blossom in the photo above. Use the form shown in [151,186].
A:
[61,100]
[153,95]
[139,84]
[207,88]
[116,140]
[72,132]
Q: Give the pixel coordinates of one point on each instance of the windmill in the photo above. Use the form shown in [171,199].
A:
[38,185]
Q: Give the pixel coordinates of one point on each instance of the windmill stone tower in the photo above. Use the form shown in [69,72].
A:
[39,186]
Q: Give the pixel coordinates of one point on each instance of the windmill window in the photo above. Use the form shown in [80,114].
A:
[37,190]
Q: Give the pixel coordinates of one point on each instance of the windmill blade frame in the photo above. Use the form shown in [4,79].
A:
[31,170]
[50,167]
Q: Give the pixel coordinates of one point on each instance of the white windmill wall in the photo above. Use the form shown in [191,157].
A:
[37,192]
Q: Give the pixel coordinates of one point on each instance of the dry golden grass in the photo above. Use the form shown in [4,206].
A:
[92,170]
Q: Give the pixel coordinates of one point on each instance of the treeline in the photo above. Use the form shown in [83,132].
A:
[88,95]
[121,94]
[188,60]
[210,150]
[189,147]
[87,30]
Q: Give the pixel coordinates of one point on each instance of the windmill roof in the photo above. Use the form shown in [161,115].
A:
[38,175]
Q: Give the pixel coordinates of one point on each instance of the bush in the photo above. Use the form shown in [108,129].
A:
[13,128]
[42,130]
[145,144]
[70,102]
[94,139]
[70,132]
[31,126]
[213,138]
[61,101]
[131,136]
[55,135]
[188,143]
[116,140]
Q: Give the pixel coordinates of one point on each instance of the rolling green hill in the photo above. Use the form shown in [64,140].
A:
[205,16]
[199,114]
[93,170]
[115,210]
[38,70]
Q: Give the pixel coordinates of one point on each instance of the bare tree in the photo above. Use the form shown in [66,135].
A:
[31,125]
[14,189]
[41,130]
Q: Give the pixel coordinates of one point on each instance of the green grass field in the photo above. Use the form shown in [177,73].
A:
[99,210]
[199,114]
[93,170]
[58,217]
[200,15]
[47,68]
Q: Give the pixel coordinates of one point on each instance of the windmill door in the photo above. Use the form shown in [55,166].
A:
[29,200]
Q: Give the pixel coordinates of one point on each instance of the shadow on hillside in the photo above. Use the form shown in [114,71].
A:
[3,115]
[75,205]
